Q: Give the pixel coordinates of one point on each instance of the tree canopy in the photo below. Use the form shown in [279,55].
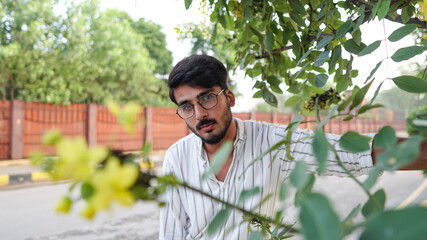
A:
[84,55]
[303,44]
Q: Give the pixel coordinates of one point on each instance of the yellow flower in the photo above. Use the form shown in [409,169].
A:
[88,212]
[76,160]
[52,137]
[423,9]
[113,107]
[128,116]
[64,205]
[112,184]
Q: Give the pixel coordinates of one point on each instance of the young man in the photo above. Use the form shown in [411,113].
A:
[197,84]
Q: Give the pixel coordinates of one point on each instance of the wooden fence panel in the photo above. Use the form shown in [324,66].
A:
[167,128]
[39,118]
[160,126]
[242,116]
[110,133]
[4,129]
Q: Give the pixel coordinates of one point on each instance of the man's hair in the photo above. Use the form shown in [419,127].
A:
[197,71]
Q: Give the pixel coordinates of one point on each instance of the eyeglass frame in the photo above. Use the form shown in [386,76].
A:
[198,102]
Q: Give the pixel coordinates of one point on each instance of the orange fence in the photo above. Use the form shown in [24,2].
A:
[22,124]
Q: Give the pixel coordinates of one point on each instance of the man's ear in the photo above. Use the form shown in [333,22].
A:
[230,97]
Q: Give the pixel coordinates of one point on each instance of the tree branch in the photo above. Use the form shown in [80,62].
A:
[274,51]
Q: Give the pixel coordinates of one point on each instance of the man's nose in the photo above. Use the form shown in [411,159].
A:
[199,112]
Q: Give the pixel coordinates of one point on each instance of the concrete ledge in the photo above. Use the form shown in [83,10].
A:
[15,179]
[21,172]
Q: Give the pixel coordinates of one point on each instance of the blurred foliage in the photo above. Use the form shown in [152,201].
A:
[81,55]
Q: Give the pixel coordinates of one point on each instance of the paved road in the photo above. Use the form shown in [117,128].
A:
[27,213]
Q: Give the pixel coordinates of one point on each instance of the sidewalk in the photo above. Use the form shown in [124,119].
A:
[21,171]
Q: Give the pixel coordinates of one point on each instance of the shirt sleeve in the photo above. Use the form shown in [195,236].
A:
[173,217]
[357,163]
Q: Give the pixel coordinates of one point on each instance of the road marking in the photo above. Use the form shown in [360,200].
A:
[40,176]
[4,180]
[414,195]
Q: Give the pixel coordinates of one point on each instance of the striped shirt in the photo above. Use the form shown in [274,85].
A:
[187,214]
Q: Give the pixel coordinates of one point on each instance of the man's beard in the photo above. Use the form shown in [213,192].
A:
[214,139]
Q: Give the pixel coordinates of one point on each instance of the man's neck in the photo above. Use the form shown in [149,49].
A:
[229,136]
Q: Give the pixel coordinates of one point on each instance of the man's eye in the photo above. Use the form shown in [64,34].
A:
[186,107]
[207,98]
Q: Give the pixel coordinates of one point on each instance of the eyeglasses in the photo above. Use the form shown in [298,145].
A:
[207,101]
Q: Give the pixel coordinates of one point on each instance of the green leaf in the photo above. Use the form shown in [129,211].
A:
[320,148]
[247,13]
[373,71]
[280,6]
[248,193]
[299,176]
[344,28]
[269,97]
[370,48]
[321,59]
[306,190]
[406,13]
[402,32]
[258,94]
[257,33]
[325,41]
[188,4]
[87,190]
[297,6]
[219,159]
[385,138]
[351,215]
[403,154]
[411,84]
[218,221]
[292,101]
[304,56]
[352,47]
[383,9]
[360,95]
[255,235]
[374,204]
[318,220]
[348,118]
[354,142]
[320,80]
[269,41]
[407,53]
[374,173]
[336,54]
[376,93]
[297,18]
[374,10]
[276,89]
[328,117]
[273,80]
[367,107]
[408,223]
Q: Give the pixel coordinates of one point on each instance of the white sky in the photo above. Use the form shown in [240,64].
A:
[171,13]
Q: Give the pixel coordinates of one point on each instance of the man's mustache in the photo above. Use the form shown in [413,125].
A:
[204,122]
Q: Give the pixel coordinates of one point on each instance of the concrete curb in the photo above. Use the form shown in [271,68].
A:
[15,179]
[26,175]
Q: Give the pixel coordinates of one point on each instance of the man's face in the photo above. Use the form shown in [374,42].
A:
[210,125]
